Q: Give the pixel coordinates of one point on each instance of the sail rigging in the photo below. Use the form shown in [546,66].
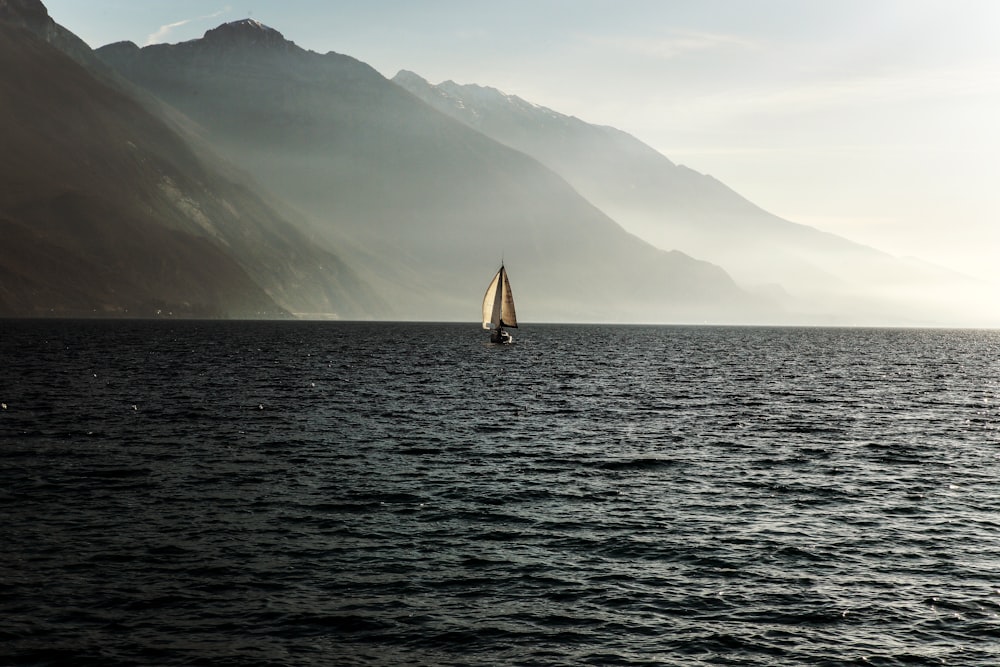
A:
[498,303]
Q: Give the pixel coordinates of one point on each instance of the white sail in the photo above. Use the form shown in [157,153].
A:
[498,303]
[508,317]
[491,303]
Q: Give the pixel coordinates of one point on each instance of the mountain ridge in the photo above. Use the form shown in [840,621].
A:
[55,214]
[360,196]
[423,197]
[822,275]
[108,212]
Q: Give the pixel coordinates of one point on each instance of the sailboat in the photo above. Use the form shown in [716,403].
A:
[498,308]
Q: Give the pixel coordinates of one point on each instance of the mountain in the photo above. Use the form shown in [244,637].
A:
[423,206]
[32,16]
[821,276]
[107,209]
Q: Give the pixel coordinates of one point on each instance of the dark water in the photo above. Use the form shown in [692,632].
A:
[377,494]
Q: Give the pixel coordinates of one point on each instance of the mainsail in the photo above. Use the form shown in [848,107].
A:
[498,304]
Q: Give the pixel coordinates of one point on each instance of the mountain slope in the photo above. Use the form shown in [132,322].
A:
[430,205]
[73,244]
[673,206]
[108,211]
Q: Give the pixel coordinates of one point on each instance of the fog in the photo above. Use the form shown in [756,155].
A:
[838,160]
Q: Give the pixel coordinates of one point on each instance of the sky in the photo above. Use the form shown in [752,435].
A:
[872,119]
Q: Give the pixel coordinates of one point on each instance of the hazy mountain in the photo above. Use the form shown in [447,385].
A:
[107,210]
[427,205]
[822,276]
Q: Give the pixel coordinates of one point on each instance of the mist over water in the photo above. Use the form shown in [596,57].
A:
[294,493]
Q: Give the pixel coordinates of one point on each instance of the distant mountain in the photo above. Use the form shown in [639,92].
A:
[359,197]
[825,278]
[106,208]
[424,206]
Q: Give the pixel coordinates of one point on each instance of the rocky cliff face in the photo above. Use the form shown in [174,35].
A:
[34,17]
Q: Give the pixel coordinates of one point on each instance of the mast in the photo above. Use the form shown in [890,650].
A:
[501,293]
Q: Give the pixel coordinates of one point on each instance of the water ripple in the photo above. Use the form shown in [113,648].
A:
[337,493]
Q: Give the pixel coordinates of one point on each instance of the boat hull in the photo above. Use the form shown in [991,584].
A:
[501,337]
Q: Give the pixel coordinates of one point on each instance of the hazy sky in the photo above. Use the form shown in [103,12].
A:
[873,119]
